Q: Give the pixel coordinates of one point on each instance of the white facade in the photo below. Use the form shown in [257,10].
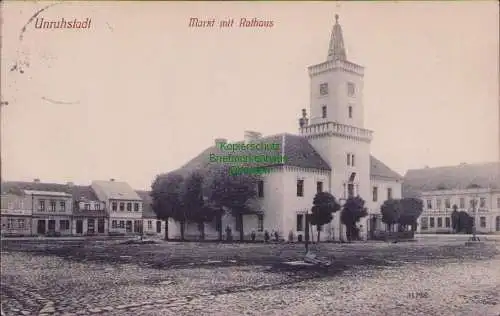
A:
[336,132]
[438,206]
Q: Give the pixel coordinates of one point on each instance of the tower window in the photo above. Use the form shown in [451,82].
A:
[323,89]
[348,159]
[323,111]
[350,111]
[351,89]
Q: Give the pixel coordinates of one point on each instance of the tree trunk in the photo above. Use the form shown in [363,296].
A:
[166,229]
[219,224]
[201,228]
[242,233]
[182,229]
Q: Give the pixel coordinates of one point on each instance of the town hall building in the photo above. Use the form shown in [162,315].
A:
[330,152]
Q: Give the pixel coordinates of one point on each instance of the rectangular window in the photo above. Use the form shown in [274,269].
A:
[319,186]
[350,190]
[462,203]
[482,202]
[10,205]
[122,206]
[128,227]
[350,111]
[498,202]
[472,203]
[429,204]
[64,224]
[300,222]
[389,193]
[351,89]
[97,207]
[482,221]
[323,111]
[375,194]
[91,225]
[62,206]
[424,223]
[52,205]
[323,89]
[41,206]
[129,207]
[150,224]
[136,207]
[21,204]
[348,159]
[122,224]
[20,223]
[440,222]
[352,160]
[447,203]
[260,188]
[447,222]
[438,204]
[10,223]
[260,222]
[300,187]
[114,224]
[431,222]
[86,206]
[114,206]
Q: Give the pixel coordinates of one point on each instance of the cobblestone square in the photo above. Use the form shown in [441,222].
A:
[109,278]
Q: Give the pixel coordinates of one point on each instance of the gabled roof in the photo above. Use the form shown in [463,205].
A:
[297,149]
[379,170]
[485,175]
[147,205]
[114,190]
[77,191]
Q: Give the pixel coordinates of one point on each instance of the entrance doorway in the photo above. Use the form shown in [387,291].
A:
[79,226]
[158,227]
[40,227]
[52,225]
[100,225]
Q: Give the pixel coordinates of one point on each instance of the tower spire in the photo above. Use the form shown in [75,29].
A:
[336,50]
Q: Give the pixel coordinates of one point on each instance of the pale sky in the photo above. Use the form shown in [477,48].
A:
[140,93]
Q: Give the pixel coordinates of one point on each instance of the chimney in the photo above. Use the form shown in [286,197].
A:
[251,136]
[36,180]
[220,141]
[112,180]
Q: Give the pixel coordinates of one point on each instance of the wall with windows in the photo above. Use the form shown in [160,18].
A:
[89,226]
[300,187]
[15,214]
[154,227]
[125,209]
[481,203]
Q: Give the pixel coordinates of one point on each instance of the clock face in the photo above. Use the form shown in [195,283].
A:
[323,89]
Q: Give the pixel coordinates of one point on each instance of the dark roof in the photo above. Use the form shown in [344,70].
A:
[298,151]
[485,175]
[147,206]
[379,170]
[78,191]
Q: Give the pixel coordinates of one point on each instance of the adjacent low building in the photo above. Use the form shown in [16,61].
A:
[89,215]
[473,188]
[151,224]
[124,206]
[15,213]
[52,212]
